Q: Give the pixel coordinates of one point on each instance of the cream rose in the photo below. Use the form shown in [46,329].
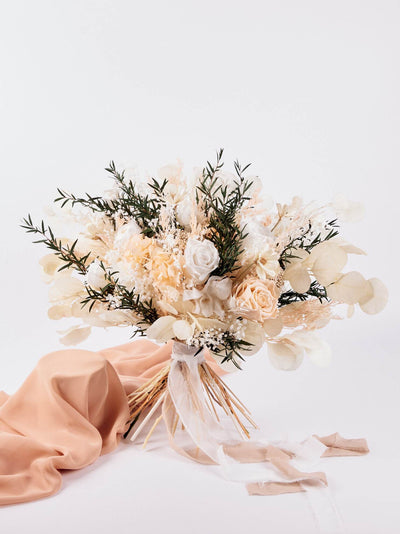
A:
[201,258]
[259,296]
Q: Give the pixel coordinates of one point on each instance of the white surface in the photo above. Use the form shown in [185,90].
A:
[308,91]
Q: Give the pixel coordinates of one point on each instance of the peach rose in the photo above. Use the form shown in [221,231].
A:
[259,296]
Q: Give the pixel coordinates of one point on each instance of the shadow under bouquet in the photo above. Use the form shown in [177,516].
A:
[209,264]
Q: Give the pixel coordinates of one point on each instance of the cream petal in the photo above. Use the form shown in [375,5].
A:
[285,356]
[347,210]
[254,334]
[219,287]
[316,348]
[205,306]
[65,287]
[192,294]
[161,330]
[95,276]
[182,329]
[352,249]
[273,327]
[379,298]
[299,255]
[78,310]
[347,247]
[75,335]
[107,318]
[95,319]
[349,288]
[319,352]
[167,307]
[298,277]
[327,262]
[59,311]
[50,263]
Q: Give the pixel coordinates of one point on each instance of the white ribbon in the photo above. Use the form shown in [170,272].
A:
[214,437]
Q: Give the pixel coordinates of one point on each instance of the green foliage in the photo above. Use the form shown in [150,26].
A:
[315,290]
[129,203]
[66,253]
[222,204]
[230,348]
[127,299]
[119,297]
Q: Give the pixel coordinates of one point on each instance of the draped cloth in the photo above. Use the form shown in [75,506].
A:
[73,407]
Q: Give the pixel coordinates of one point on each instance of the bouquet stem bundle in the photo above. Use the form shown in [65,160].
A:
[218,397]
[147,397]
[219,394]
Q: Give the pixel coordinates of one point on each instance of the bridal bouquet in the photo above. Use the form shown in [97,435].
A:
[207,262]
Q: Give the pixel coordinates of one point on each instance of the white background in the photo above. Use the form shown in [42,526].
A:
[309,92]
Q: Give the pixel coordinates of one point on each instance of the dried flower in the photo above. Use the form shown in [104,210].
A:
[258,296]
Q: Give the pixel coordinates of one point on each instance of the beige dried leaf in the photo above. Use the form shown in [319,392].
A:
[378,298]
[75,335]
[273,327]
[350,288]
[161,330]
[284,355]
[327,260]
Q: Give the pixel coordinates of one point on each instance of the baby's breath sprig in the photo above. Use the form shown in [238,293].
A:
[225,343]
[307,241]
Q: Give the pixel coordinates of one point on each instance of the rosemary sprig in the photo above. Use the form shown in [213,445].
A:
[143,208]
[119,297]
[222,206]
[231,348]
[95,204]
[316,290]
[65,252]
[127,299]
[129,203]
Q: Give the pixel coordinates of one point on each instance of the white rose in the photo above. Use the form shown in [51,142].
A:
[95,275]
[201,258]
[209,301]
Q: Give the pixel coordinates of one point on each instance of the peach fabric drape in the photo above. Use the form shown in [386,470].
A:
[71,409]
